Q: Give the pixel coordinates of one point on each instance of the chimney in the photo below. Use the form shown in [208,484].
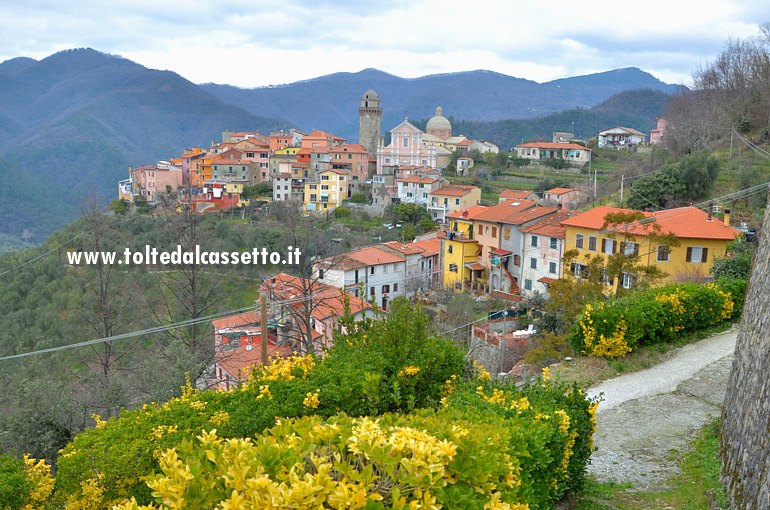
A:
[727,217]
[711,207]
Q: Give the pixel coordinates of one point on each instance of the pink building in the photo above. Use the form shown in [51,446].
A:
[656,135]
[352,157]
[149,181]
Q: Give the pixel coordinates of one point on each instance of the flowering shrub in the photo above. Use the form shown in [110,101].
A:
[657,315]
[25,484]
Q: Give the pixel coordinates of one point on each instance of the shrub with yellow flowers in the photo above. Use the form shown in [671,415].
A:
[657,315]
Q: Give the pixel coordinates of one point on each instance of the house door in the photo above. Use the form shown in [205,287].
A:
[384,303]
[495,282]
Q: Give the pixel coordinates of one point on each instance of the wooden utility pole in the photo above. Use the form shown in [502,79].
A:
[263,325]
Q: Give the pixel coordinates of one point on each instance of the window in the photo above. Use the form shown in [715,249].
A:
[457,201]
[697,254]
[577,269]
[506,233]
[449,249]
[534,241]
[395,287]
[630,248]
[320,274]
[385,289]
[579,241]
[533,263]
[554,243]
[663,253]
[371,291]
[494,231]
[453,268]
[385,269]
[371,270]
[552,267]
[516,260]
[606,280]
[591,243]
[527,284]
[480,230]
[608,246]
[406,141]
[628,280]
[325,186]
[312,197]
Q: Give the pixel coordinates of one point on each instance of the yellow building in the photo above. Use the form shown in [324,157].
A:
[327,192]
[701,238]
[460,252]
[451,198]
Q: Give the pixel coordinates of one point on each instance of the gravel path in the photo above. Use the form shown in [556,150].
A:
[648,417]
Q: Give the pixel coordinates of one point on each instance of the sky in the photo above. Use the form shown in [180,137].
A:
[253,43]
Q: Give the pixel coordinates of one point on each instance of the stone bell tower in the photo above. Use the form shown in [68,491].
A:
[370,120]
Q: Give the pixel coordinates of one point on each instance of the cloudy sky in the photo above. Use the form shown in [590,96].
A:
[252,43]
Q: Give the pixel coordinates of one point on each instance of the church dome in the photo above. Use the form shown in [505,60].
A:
[439,123]
[370,94]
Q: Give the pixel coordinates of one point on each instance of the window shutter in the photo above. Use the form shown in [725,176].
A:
[705,254]
[604,245]
[689,254]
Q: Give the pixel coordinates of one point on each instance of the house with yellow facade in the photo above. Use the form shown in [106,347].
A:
[326,193]
[701,238]
[451,198]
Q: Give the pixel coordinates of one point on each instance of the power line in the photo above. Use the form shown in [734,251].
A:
[123,336]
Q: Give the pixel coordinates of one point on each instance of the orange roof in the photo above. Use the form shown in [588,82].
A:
[454,190]
[470,213]
[417,180]
[405,248]
[504,210]
[317,133]
[349,147]
[374,255]
[685,222]
[529,215]
[239,362]
[515,194]
[329,300]
[560,191]
[429,247]
[551,145]
[550,226]
[234,321]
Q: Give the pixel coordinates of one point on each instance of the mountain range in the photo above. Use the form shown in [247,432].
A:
[71,124]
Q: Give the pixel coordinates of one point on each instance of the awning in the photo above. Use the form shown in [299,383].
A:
[547,280]
[475,266]
[500,252]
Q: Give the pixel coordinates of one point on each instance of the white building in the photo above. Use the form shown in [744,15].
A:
[620,136]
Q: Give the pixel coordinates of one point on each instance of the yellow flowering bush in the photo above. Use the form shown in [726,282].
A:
[657,315]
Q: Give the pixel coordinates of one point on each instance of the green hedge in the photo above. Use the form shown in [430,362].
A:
[300,417]
[616,327]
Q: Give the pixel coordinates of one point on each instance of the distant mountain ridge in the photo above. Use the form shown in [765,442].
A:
[71,124]
[471,95]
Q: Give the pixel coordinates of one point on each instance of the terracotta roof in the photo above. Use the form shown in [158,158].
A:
[464,143]
[505,211]
[500,251]
[550,226]
[551,145]
[528,215]
[470,213]
[374,255]
[559,191]
[405,248]
[349,147]
[417,180]
[627,130]
[317,133]
[475,266]
[234,321]
[329,299]
[429,247]
[454,190]
[238,362]
[546,280]
[515,194]
[684,222]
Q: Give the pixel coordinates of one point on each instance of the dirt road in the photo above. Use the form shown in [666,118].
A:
[648,417]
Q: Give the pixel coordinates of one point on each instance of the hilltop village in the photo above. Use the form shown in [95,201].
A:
[511,251]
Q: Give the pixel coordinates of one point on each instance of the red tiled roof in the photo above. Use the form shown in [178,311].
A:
[515,194]
[405,248]
[546,280]
[551,145]
[504,210]
[417,180]
[685,222]
[464,143]
[470,213]
[529,215]
[238,363]
[349,147]
[475,266]
[374,255]
[550,226]
[500,251]
[329,300]
[454,190]
[429,247]
[559,191]
[234,321]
